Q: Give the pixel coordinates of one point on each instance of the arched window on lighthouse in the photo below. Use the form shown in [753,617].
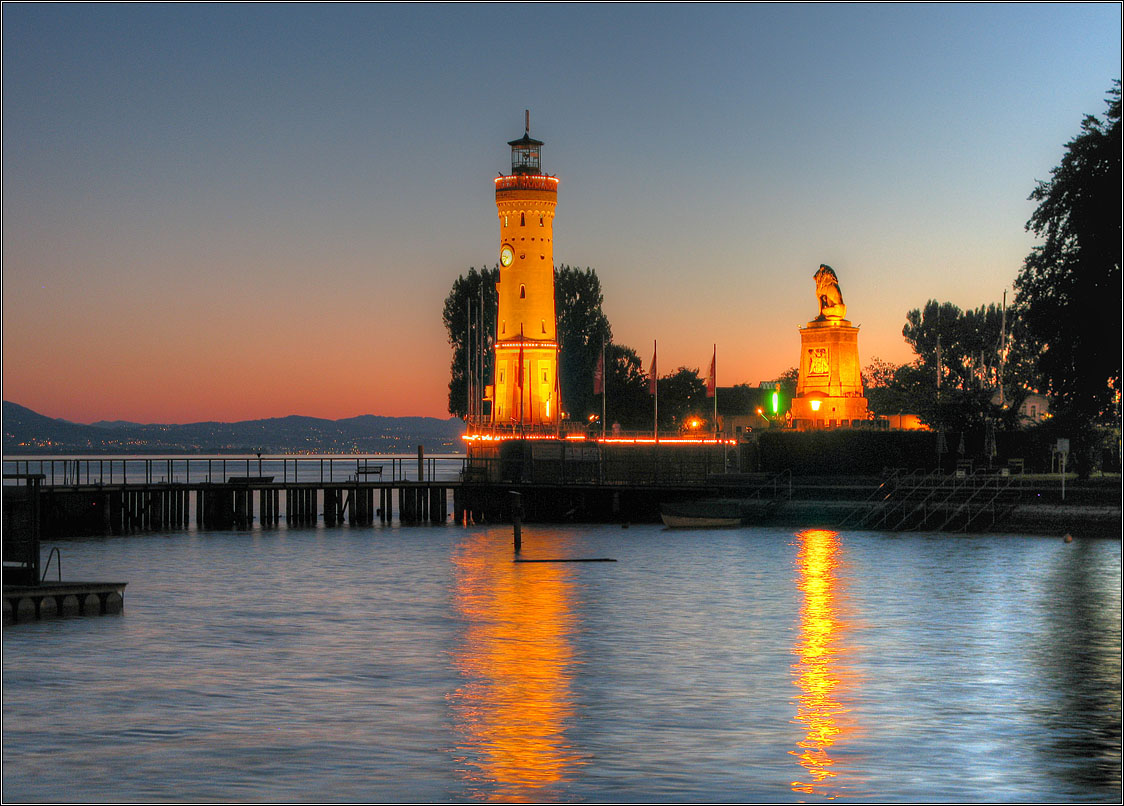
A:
[522,219]
[522,292]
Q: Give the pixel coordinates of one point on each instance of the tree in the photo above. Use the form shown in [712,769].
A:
[626,389]
[883,393]
[470,288]
[1068,290]
[788,381]
[582,329]
[682,396]
[969,342]
[581,325]
[967,365]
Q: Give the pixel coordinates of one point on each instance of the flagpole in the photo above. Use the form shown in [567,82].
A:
[656,393]
[714,374]
[604,388]
[522,423]
[1003,350]
[468,361]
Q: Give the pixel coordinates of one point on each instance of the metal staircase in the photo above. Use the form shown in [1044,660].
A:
[934,501]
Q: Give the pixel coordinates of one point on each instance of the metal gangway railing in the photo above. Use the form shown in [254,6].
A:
[908,501]
[874,506]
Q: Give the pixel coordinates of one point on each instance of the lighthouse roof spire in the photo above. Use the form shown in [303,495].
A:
[525,152]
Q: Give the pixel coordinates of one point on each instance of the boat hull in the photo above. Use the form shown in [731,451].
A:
[706,513]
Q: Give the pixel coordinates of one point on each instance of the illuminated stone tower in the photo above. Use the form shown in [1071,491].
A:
[526,370]
[829,390]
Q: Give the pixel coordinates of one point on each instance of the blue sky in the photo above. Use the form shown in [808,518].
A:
[200,201]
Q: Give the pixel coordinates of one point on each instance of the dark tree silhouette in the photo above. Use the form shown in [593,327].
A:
[581,327]
[788,381]
[682,394]
[627,401]
[1068,291]
[474,286]
[968,366]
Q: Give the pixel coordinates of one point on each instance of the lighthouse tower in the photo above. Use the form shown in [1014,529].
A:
[526,367]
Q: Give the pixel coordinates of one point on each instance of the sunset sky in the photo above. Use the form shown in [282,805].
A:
[225,212]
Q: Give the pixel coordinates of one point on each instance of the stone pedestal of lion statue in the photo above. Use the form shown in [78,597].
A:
[829,392]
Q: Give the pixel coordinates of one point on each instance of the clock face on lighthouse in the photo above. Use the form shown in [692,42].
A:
[506,256]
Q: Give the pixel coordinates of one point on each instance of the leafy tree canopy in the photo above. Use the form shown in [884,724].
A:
[627,401]
[967,367]
[582,329]
[969,341]
[1068,291]
[682,396]
[885,393]
[788,381]
[475,286]
[582,326]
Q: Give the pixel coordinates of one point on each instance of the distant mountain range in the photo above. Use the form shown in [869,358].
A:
[28,432]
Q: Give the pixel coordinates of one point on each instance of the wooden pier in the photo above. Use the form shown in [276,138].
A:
[61,599]
[126,508]
[27,595]
[123,496]
[559,481]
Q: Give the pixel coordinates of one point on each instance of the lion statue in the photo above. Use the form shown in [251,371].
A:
[829,295]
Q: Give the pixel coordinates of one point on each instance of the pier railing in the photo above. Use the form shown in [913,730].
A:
[916,500]
[107,471]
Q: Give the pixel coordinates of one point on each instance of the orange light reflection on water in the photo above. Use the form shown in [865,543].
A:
[821,674]
[515,705]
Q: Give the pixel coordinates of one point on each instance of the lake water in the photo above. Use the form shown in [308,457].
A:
[419,664]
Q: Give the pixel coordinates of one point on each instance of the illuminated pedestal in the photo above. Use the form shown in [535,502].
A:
[829,393]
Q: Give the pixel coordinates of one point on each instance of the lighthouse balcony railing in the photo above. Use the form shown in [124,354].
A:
[527,182]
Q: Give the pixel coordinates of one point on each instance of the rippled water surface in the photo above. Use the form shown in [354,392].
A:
[423,664]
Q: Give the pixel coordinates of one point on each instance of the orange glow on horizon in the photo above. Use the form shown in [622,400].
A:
[820,674]
[515,704]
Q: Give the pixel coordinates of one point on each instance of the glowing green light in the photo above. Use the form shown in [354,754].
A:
[776,403]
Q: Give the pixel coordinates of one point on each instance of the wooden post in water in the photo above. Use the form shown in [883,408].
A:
[517,519]
[116,517]
[421,462]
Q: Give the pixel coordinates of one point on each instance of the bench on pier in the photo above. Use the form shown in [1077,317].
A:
[365,471]
[249,479]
